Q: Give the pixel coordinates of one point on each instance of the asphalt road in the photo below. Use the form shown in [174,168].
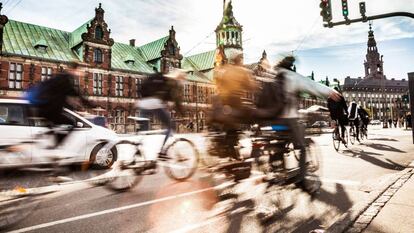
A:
[159,204]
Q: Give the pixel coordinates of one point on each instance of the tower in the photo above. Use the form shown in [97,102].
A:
[229,31]
[374,68]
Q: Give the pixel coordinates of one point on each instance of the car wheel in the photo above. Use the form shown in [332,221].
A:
[103,160]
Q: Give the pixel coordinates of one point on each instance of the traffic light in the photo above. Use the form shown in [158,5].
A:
[326,10]
[345,10]
[362,9]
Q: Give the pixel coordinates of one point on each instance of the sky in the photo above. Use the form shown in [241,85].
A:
[277,26]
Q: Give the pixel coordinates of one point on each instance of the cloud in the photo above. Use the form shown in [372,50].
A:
[279,26]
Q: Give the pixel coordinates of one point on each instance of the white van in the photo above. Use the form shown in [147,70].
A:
[17,125]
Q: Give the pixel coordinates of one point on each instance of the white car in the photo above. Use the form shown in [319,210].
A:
[375,122]
[17,125]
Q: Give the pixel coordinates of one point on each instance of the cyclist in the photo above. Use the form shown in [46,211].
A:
[363,114]
[339,113]
[354,117]
[233,82]
[294,84]
[51,96]
[157,91]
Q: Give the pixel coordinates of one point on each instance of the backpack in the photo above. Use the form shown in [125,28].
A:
[153,85]
[271,100]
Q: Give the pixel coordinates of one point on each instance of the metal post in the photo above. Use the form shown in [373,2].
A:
[411,90]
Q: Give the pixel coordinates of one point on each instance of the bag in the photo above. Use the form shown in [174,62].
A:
[271,100]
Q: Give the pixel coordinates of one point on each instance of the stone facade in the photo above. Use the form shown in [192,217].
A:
[377,94]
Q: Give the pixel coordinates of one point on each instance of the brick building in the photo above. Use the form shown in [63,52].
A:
[110,72]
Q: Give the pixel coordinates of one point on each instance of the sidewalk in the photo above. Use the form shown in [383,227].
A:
[387,210]
[397,214]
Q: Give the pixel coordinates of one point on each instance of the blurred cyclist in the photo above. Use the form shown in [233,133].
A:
[233,82]
[294,84]
[339,113]
[157,90]
[51,96]
[354,117]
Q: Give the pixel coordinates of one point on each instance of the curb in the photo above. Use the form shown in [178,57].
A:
[361,214]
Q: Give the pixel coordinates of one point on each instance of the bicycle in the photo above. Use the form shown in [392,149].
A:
[352,132]
[363,132]
[336,137]
[276,156]
[19,198]
[127,174]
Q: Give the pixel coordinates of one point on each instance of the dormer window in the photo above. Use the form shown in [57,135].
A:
[97,56]
[98,33]
[41,45]
[129,60]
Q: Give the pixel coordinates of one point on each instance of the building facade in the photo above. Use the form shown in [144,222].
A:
[110,73]
[380,96]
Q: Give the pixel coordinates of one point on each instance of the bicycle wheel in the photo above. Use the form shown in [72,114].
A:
[336,139]
[184,158]
[346,138]
[125,174]
[352,135]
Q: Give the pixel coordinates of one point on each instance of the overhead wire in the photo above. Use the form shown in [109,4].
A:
[13,7]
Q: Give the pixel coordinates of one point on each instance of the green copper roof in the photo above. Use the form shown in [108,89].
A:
[20,39]
[75,37]
[120,52]
[153,49]
[199,62]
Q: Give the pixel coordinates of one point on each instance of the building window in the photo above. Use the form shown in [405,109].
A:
[46,73]
[138,87]
[97,56]
[119,116]
[186,93]
[15,76]
[119,86]
[76,83]
[97,84]
[98,33]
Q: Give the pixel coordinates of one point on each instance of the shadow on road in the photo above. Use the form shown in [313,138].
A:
[357,153]
[337,202]
[368,156]
[385,139]
[379,146]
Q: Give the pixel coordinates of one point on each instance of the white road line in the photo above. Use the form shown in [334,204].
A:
[85,216]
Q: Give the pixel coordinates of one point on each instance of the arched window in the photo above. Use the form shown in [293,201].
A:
[97,56]
[98,33]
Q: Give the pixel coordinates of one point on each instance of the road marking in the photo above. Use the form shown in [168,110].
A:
[108,211]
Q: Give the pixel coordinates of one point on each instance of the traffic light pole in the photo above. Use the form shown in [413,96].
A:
[366,19]
[411,89]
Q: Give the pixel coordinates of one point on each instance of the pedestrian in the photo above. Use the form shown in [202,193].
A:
[190,126]
[390,123]
[395,122]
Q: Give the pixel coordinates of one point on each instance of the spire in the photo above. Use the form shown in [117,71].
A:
[264,54]
[371,39]
[99,12]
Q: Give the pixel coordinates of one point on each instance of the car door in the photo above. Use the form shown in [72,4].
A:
[76,143]
[15,129]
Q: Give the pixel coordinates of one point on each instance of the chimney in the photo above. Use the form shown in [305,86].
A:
[132,42]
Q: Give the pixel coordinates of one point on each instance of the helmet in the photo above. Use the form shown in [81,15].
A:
[286,62]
